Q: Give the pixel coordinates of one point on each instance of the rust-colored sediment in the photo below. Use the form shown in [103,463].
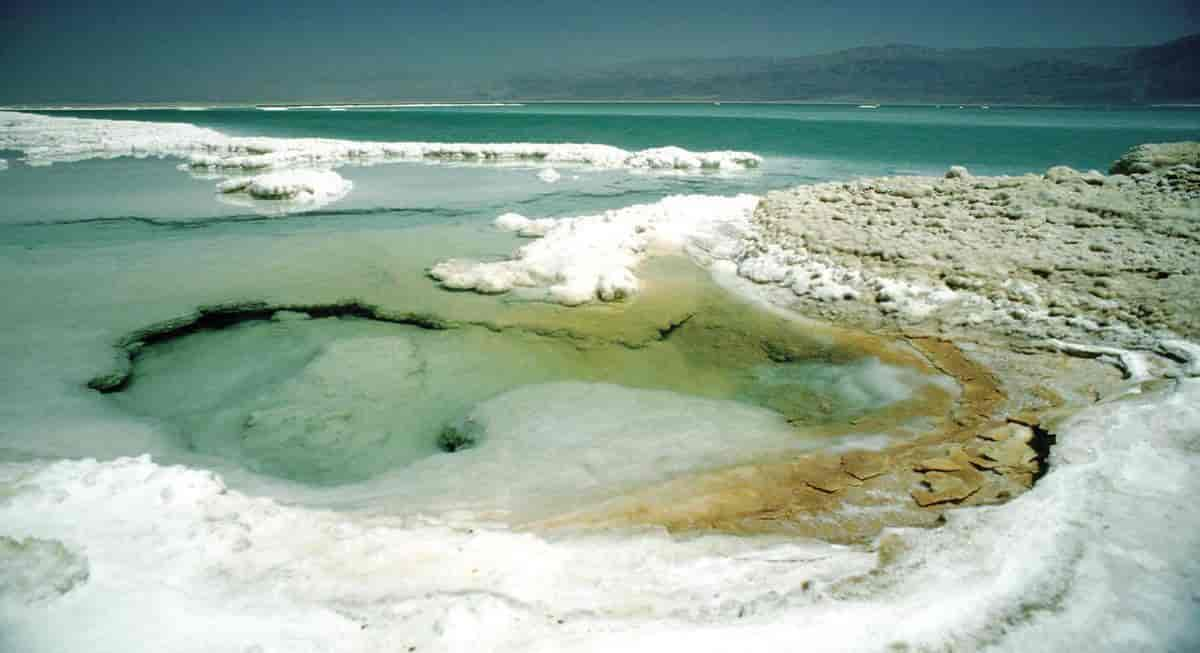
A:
[966,456]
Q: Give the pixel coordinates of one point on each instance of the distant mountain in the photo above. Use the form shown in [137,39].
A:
[1167,73]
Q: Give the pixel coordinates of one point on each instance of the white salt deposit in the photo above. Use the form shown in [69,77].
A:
[34,571]
[523,226]
[306,186]
[549,175]
[50,139]
[46,140]
[676,158]
[1100,551]
[592,258]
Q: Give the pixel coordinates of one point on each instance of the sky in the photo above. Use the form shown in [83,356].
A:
[294,50]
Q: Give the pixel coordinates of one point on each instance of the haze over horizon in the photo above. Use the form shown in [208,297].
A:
[139,51]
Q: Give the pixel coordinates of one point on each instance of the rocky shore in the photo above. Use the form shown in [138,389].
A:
[1107,260]
[1041,295]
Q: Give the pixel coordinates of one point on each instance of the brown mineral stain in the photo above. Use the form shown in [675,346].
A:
[851,496]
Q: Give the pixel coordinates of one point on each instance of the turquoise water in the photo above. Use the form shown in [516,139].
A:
[997,140]
[802,144]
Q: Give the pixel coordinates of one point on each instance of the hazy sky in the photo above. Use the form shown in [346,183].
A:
[55,50]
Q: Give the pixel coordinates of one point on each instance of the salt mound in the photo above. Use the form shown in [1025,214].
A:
[1153,156]
[549,175]
[524,226]
[592,258]
[308,186]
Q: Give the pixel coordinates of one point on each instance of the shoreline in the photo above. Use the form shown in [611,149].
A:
[1048,370]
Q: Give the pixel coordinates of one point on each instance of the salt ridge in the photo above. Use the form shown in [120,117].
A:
[46,140]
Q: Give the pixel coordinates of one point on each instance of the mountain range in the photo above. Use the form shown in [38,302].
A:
[1163,74]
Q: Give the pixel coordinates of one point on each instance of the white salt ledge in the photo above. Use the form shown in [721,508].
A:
[47,139]
[592,258]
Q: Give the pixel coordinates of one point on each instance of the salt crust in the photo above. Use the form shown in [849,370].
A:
[1100,551]
[1064,257]
[46,140]
[1070,257]
[1150,157]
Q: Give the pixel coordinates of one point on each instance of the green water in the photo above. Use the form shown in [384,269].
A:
[336,400]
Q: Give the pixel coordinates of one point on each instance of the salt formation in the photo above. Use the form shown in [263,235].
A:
[46,140]
[523,226]
[1079,263]
[1154,156]
[549,175]
[591,258]
[1065,255]
[34,570]
[1112,526]
[304,186]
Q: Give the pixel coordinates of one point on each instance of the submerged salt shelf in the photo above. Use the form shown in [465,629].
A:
[337,400]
